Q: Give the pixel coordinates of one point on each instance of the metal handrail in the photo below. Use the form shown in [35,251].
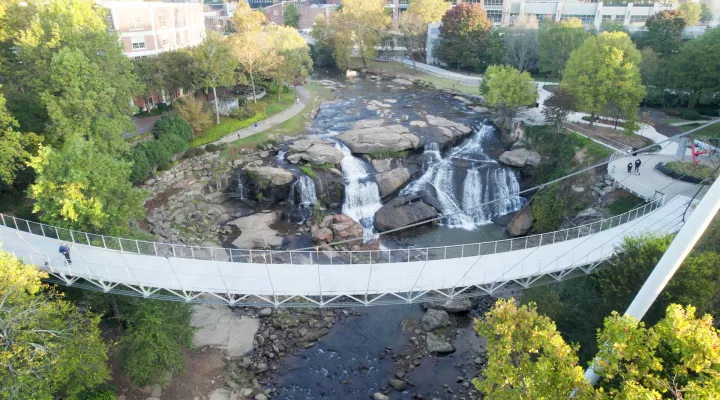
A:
[323,257]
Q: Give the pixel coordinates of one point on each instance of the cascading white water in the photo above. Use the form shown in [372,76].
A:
[468,212]
[306,186]
[281,157]
[362,197]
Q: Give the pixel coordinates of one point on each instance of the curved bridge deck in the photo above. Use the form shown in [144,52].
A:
[327,278]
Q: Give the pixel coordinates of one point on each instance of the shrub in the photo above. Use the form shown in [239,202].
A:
[215,147]
[194,152]
[586,118]
[192,111]
[163,107]
[308,171]
[248,110]
[688,169]
[98,394]
[174,145]
[141,165]
[548,209]
[156,153]
[684,113]
[172,125]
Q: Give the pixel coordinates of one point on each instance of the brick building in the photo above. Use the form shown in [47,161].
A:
[308,12]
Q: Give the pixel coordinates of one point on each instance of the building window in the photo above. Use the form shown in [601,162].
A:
[493,2]
[180,20]
[163,20]
[586,19]
[138,43]
[136,24]
[275,12]
[607,18]
[495,16]
[542,17]
[638,19]
[164,42]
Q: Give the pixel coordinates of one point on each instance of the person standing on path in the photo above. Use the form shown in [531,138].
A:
[637,166]
[256,125]
[629,168]
[238,135]
[65,250]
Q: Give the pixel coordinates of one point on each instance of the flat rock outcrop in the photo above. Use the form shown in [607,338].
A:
[403,211]
[314,151]
[265,177]
[447,132]
[520,158]
[373,139]
[256,231]
[521,223]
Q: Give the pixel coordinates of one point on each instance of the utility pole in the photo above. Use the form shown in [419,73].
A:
[670,262]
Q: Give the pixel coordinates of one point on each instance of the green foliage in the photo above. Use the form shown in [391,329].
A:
[691,13]
[213,65]
[98,394]
[172,125]
[527,357]
[78,187]
[684,113]
[194,152]
[603,74]
[174,145]
[157,333]
[560,149]
[308,171]
[291,15]
[463,35]
[695,67]
[548,209]
[50,349]
[631,126]
[428,10]
[706,13]
[193,112]
[507,89]
[214,147]
[664,31]
[687,168]
[623,205]
[557,41]
[140,164]
[382,154]
[557,107]
[15,146]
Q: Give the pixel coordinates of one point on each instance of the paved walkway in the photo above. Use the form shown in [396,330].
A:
[703,121]
[443,73]
[268,123]
[650,181]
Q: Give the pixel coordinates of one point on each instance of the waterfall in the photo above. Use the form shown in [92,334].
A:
[362,197]
[305,187]
[239,190]
[466,212]
[281,157]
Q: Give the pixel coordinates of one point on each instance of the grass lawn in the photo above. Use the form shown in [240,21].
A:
[229,125]
[406,71]
[712,131]
[292,127]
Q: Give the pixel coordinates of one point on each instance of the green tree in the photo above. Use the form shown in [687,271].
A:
[655,71]
[691,12]
[156,152]
[413,34]
[706,13]
[428,10]
[664,31]
[527,357]
[157,334]
[603,72]
[613,26]
[79,187]
[507,89]
[249,45]
[291,15]
[694,69]
[360,25]
[172,125]
[151,73]
[193,112]
[214,66]
[557,107]
[557,41]
[548,209]
[463,35]
[140,164]
[64,56]
[49,348]
[294,63]
[15,146]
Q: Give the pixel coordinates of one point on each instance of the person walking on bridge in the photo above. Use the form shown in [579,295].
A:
[637,166]
[65,250]
[629,168]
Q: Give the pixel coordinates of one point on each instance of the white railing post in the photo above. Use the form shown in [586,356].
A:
[72,237]
[103,240]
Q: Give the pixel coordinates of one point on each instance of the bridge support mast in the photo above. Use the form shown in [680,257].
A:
[685,240]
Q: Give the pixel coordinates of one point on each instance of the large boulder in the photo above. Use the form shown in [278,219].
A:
[452,306]
[436,344]
[264,177]
[520,158]
[256,232]
[390,181]
[447,132]
[521,222]
[379,138]
[314,151]
[345,227]
[434,319]
[514,133]
[403,211]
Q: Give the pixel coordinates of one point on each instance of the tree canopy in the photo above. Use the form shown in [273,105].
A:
[507,89]
[463,35]
[664,31]
[695,67]
[294,63]
[213,65]
[16,147]
[604,73]
[557,41]
[49,348]
[291,15]
[428,10]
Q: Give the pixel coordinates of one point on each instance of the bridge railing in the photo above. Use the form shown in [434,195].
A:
[322,256]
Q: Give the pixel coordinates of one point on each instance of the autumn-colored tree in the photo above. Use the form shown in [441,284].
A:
[249,45]
[463,35]
[507,89]
[213,66]
[49,349]
[413,33]
[664,31]
[557,41]
[360,25]
[294,63]
[193,111]
[428,10]
[604,71]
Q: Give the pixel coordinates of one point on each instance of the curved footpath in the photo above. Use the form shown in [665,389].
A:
[270,122]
